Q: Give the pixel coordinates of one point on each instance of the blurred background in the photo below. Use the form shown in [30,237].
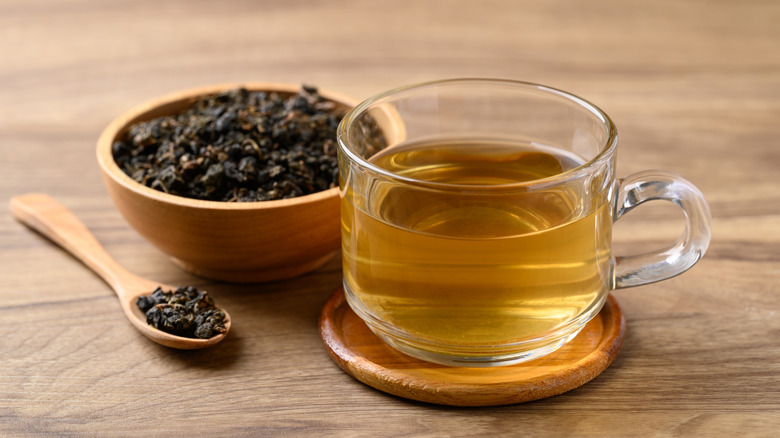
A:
[70,66]
[692,85]
[693,75]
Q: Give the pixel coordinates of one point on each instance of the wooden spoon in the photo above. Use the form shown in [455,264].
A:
[47,216]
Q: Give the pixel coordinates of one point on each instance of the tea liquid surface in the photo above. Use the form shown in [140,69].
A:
[476,265]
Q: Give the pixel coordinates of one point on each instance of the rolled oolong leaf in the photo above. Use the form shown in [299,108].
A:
[237,146]
[187,312]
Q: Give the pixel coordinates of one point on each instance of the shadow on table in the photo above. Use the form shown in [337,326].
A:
[266,317]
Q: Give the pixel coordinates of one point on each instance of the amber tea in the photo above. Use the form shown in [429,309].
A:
[475,268]
[479,234]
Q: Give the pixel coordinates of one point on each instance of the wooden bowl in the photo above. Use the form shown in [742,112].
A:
[229,241]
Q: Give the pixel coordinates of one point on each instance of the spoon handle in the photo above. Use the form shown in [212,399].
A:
[47,216]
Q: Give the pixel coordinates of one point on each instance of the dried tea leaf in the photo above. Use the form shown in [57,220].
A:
[238,146]
[187,312]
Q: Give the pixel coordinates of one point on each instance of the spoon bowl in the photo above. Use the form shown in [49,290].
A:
[138,319]
[47,216]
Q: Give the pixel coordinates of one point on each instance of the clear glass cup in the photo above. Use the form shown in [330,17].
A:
[477,228]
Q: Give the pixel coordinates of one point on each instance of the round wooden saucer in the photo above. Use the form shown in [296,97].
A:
[359,352]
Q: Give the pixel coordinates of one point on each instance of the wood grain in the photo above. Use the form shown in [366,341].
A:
[228,241]
[47,216]
[363,355]
[692,85]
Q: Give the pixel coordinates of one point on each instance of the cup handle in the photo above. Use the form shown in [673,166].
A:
[639,269]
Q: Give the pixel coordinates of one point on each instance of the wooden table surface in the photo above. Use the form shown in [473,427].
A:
[694,87]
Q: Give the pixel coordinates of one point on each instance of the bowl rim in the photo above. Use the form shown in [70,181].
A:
[109,166]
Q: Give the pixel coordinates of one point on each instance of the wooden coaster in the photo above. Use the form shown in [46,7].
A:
[359,352]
